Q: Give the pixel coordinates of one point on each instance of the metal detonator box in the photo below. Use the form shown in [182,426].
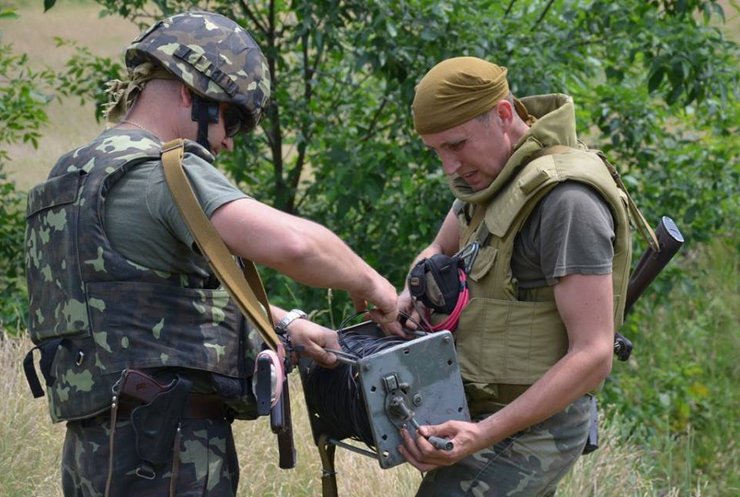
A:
[412,383]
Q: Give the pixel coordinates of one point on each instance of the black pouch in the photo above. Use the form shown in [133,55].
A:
[435,281]
[155,424]
[48,350]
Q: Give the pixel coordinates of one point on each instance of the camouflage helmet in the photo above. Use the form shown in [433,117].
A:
[212,55]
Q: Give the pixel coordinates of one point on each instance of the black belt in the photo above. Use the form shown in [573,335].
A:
[198,406]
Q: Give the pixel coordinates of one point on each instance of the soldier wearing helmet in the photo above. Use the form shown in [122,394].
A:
[116,283]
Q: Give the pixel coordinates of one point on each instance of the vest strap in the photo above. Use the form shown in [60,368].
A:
[33,380]
[479,212]
[244,286]
[646,231]
[638,219]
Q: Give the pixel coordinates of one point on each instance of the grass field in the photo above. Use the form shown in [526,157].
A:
[30,447]
[30,444]
[71,122]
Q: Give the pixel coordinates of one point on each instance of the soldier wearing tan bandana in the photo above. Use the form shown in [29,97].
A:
[546,289]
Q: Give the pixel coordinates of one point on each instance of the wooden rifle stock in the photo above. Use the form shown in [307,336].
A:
[650,264]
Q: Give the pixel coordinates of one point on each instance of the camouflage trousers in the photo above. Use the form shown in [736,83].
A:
[527,464]
[207,464]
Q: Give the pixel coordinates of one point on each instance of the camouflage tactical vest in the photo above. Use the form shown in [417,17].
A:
[502,340]
[94,313]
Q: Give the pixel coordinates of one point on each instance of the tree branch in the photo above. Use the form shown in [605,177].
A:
[542,16]
[508,9]
[374,121]
[253,16]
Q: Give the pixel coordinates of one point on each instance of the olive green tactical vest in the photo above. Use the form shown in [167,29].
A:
[94,313]
[505,341]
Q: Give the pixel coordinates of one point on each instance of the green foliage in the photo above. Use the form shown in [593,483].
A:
[680,385]
[13,300]
[87,76]
[656,79]
[23,97]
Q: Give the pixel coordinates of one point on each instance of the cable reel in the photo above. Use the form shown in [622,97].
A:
[409,382]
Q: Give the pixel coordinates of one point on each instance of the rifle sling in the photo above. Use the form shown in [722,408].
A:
[244,286]
[635,214]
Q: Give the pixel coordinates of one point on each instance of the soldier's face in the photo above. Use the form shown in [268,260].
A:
[476,150]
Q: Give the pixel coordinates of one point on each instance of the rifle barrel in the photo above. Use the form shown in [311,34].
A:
[651,263]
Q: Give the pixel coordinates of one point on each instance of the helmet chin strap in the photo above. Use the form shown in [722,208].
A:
[204,112]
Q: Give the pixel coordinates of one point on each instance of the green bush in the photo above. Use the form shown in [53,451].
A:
[22,102]
[678,392]
[13,300]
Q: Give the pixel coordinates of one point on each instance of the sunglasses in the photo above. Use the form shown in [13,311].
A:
[233,120]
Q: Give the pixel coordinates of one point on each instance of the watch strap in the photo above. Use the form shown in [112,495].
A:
[282,326]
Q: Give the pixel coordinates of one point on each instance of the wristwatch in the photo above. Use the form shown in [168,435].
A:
[282,326]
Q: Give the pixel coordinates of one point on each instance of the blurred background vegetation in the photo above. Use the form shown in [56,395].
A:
[655,86]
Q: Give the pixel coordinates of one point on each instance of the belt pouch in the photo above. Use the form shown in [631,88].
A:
[155,424]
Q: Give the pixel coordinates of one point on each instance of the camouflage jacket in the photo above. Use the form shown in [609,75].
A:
[95,313]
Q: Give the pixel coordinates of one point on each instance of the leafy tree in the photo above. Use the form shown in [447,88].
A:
[22,102]
[654,83]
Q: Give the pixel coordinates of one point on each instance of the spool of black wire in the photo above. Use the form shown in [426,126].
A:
[333,396]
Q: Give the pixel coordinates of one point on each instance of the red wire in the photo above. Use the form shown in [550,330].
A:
[462,300]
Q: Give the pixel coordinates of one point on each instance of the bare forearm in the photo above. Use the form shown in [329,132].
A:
[318,258]
[303,250]
[299,248]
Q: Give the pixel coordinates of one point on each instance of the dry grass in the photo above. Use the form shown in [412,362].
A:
[30,448]
[70,122]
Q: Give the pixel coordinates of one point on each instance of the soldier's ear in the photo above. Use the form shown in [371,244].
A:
[504,110]
[186,96]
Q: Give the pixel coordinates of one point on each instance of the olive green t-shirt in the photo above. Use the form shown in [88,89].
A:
[142,220]
[571,231]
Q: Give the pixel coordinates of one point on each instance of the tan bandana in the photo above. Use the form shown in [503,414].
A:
[457,90]
[123,94]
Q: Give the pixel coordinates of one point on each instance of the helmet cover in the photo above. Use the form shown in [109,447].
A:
[212,55]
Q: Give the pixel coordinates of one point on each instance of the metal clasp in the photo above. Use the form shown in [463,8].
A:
[468,254]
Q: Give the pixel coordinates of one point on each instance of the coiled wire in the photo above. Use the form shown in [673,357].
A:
[335,396]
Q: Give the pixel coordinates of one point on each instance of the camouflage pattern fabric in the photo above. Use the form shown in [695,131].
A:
[211,54]
[208,463]
[527,464]
[111,313]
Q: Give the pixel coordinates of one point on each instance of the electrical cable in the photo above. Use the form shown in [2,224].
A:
[462,300]
[334,395]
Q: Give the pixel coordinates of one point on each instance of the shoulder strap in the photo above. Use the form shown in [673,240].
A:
[244,286]
[635,214]
[475,222]
[646,231]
